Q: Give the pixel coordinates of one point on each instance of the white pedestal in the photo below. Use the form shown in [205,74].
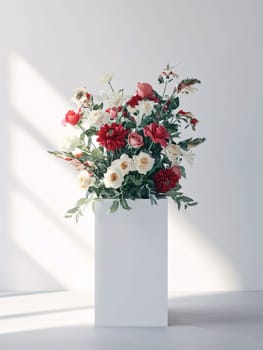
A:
[131,265]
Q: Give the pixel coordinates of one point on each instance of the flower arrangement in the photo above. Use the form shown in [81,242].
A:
[130,147]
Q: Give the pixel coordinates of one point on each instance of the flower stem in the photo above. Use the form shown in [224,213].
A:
[151,145]
[110,86]
[165,87]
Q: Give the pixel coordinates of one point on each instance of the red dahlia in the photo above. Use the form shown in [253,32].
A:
[165,179]
[112,136]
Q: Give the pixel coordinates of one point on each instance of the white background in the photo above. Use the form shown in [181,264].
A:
[49,48]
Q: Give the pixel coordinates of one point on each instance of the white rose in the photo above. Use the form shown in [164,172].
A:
[106,78]
[113,177]
[98,117]
[173,152]
[85,180]
[143,162]
[125,164]
[70,139]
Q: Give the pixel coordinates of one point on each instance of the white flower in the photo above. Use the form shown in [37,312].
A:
[189,90]
[143,162]
[114,99]
[80,96]
[173,153]
[188,156]
[98,117]
[85,180]
[113,177]
[131,109]
[145,107]
[70,139]
[125,164]
[106,78]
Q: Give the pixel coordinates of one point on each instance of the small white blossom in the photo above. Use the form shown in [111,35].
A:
[143,162]
[114,99]
[113,178]
[106,78]
[85,180]
[173,153]
[97,117]
[189,90]
[124,163]
[80,97]
[145,107]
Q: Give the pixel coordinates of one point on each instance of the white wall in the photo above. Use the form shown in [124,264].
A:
[49,48]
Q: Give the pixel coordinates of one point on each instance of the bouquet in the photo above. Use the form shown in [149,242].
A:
[130,146]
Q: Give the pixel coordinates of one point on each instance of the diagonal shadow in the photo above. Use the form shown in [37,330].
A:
[45,312]
[49,213]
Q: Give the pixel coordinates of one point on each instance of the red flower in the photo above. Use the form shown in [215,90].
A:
[134,101]
[157,133]
[144,90]
[165,179]
[112,136]
[71,118]
[176,169]
[154,98]
[135,140]
[193,122]
[182,112]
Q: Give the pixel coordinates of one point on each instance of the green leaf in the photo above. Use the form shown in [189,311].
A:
[182,170]
[72,210]
[91,132]
[124,204]
[114,207]
[186,199]
[81,201]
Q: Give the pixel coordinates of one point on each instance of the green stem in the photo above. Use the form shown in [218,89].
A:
[110,86]
[165,86]
[151,145]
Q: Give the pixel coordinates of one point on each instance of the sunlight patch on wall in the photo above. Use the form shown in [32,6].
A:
[196,265]
[34,98]
[43,188]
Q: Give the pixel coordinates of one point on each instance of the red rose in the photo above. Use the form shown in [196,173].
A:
[135,140]
[144,90]
[157,133]
[112,136]
[71,118]
[134,101]
[165,179]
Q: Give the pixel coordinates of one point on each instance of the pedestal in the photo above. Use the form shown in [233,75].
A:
[131,265]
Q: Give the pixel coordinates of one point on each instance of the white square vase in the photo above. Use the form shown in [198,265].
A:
[131,265]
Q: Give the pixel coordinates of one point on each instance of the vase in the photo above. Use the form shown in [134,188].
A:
[131,284]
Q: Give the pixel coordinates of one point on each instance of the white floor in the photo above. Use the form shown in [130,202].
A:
[64,320]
